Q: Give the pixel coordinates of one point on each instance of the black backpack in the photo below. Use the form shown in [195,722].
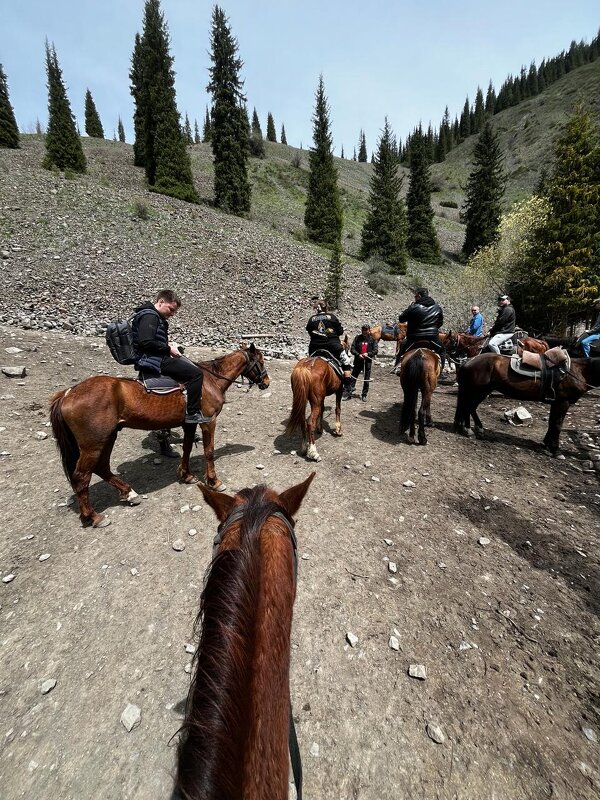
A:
[119,338]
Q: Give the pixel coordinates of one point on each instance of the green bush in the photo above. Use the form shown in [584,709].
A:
[379,275]
[141,210]
[448,204]
[296,160]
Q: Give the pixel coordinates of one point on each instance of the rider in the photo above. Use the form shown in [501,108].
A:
[593,333]
[325,330]
[504,326]
[476,323]
[424,319]
[364,349]
[154,353]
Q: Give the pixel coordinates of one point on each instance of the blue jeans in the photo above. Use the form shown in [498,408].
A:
[585,343]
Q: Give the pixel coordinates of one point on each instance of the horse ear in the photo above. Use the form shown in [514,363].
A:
[252,348]
[292,498]
[220,503]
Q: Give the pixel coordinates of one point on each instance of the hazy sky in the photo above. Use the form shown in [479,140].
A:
[406,60]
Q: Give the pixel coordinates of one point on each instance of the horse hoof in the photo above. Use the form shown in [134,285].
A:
[217,486]
[468,433]
[103,522]
[132,499]
[191,479]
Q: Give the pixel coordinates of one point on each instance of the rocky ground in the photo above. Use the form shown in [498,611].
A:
[472,565]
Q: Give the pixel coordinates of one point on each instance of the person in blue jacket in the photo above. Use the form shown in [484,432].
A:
[476,324]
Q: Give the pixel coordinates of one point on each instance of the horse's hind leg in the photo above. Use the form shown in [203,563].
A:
[311,426]
[103,470]
[82,475]
[338,413]
[422,417]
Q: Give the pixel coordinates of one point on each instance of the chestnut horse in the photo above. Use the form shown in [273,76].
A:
[397,336]
[489,371]
[419,371]
[463,344]
[87,418]
[313,379]
[234,740]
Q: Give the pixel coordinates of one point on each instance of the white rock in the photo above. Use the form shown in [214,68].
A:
[417,671]
[131,717]
[483,541]
[44,557]
[178,545]
[157,461]
[184,508]
[435,733]
[375,478]
[8,578]
[589,734]
[393,643]
[192,532]
[188,668]
[314,750]
[409,484]
[189,648]
[352,639]
[47,686]
[392,567]
[389,542]
[134,571]
[260,466]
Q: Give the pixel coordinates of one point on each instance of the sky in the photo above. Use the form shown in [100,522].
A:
[405,61]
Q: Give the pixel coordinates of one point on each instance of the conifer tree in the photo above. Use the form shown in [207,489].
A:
[39,131]
[323,213]
[283,137]
[140,99]
[9,133]
[207,128]
[271,134]
[230,135]
[342,152]
[63,146]
[197,138]
[334,286]
[257,145]
[465,121]
[256,129]
[187,130]
[167,162]
[485,188]
[93,126]
[362,147]
[422,242]
[385,229]
[564,269]
[478,112]
[490,100]
[121,130]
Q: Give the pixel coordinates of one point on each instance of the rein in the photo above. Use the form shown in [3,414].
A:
[246,373]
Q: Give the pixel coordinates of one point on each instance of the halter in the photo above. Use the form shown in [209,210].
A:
[254,372]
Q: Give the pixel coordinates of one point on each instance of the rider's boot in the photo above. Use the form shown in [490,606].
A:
[349,384]
[194,415]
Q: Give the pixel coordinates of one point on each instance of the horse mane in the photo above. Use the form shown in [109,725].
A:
[212,735]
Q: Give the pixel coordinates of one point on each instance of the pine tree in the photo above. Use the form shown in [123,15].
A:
[490,100]
[207,128]
[422,242]
[63,146]
[197,138]
[9,133]
[323,213]
[167,163]
[564,270]
[230,141]
[271,134]
[187,130]
[485,188]
[342,153]
[478,112]
[257,144]
[39,131]
[139,98]
[465,121]
[283,137]
[385,228]
[121,130]
[362,147]
[334,287]
[93,126]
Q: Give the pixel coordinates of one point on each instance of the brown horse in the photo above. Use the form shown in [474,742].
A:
[86,419]
[419,371]
[234,740]
[399,333]
[463,344]
[488,372]
[313,379]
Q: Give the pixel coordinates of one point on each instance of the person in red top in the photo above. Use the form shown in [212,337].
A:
[364,349]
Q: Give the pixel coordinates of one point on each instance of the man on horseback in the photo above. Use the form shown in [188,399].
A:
[424,319]
[155,355]
[504,326]
[593,334]
[325,330]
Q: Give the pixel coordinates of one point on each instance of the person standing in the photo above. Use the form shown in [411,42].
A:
[504,326]
[593,333]
[364,349]
[476,323]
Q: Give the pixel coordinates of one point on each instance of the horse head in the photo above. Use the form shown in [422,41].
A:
[255,366]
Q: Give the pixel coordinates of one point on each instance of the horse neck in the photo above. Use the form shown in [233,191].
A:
[230,366]
[590,369]
[235,734]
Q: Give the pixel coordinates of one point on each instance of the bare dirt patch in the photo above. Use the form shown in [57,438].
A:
[508,631]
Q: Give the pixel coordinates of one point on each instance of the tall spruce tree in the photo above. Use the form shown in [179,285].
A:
[362,147]
[257,144]
[207,128]
[334,286]
[121,130]
[197,138]
[230,141]
[271,133]
[9,133]
[564,267]
[93,126]
[385,229]
[187,130]
[140,99]
[167,162]
[63,146]
[422,242]
[485,188]
[323,213]
[283,137]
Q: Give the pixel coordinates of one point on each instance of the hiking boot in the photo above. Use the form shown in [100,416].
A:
[364,398]
[347,396]
[196,419]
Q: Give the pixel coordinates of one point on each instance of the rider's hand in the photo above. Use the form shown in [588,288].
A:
[174,351]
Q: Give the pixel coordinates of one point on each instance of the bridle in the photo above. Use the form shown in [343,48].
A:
[255,372]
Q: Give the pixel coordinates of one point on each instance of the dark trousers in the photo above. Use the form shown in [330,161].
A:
[185,371]
[361,364]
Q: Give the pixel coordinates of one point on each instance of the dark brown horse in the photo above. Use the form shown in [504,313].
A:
[419,371]
[488,372]
[234,740]
[86,419]
[463,344]
[313,379]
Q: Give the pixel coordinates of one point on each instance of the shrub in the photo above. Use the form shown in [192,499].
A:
[448,204]
[296,160]
[141,210]
[378,274]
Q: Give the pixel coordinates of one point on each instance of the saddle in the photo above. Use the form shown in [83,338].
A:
[159,384]
[325,355]
[390,330]
[548,368]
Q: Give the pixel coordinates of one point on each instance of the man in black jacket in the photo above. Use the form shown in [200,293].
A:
[424,319]
[364,349]
[155,355]
[504,326]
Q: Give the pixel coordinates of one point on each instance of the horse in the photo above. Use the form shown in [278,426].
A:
[234,738]
[87,418]
[399,333]
[481,375]
[464,345]
[419,371]
[313,379]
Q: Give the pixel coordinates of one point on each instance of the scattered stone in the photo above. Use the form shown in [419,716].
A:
[14,372]
[589,734]
[188,668]
[352,639]
[184,508]
[435,733]
[392,567]
[195,509]
[178,545]
[393,643]
[260,466]
[314,750]
[483,541]
[157,461]
[44,557]
[131,717]
[389,542]
[518,416]
[192,532]
[417,671]
[13,351]
[134,571]
[8,578]
[375,478]
[465,646]
[189,648]
[40,435]
[48,685]
[409,484]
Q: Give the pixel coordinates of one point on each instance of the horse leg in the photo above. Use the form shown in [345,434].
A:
[319,428]
[103,470]
[80,481]
[423,412]
[558,409]
[183,470]
[311,425]
[208,441]
[338,413]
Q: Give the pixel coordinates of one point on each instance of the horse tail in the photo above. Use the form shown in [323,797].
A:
[411,380]
[65,441]
[300,386]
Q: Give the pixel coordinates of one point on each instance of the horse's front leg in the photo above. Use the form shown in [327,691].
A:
[338,412]
[208,441]
[558,409]
[183,470]
[311,426]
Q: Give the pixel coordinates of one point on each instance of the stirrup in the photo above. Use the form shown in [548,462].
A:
[196,419]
